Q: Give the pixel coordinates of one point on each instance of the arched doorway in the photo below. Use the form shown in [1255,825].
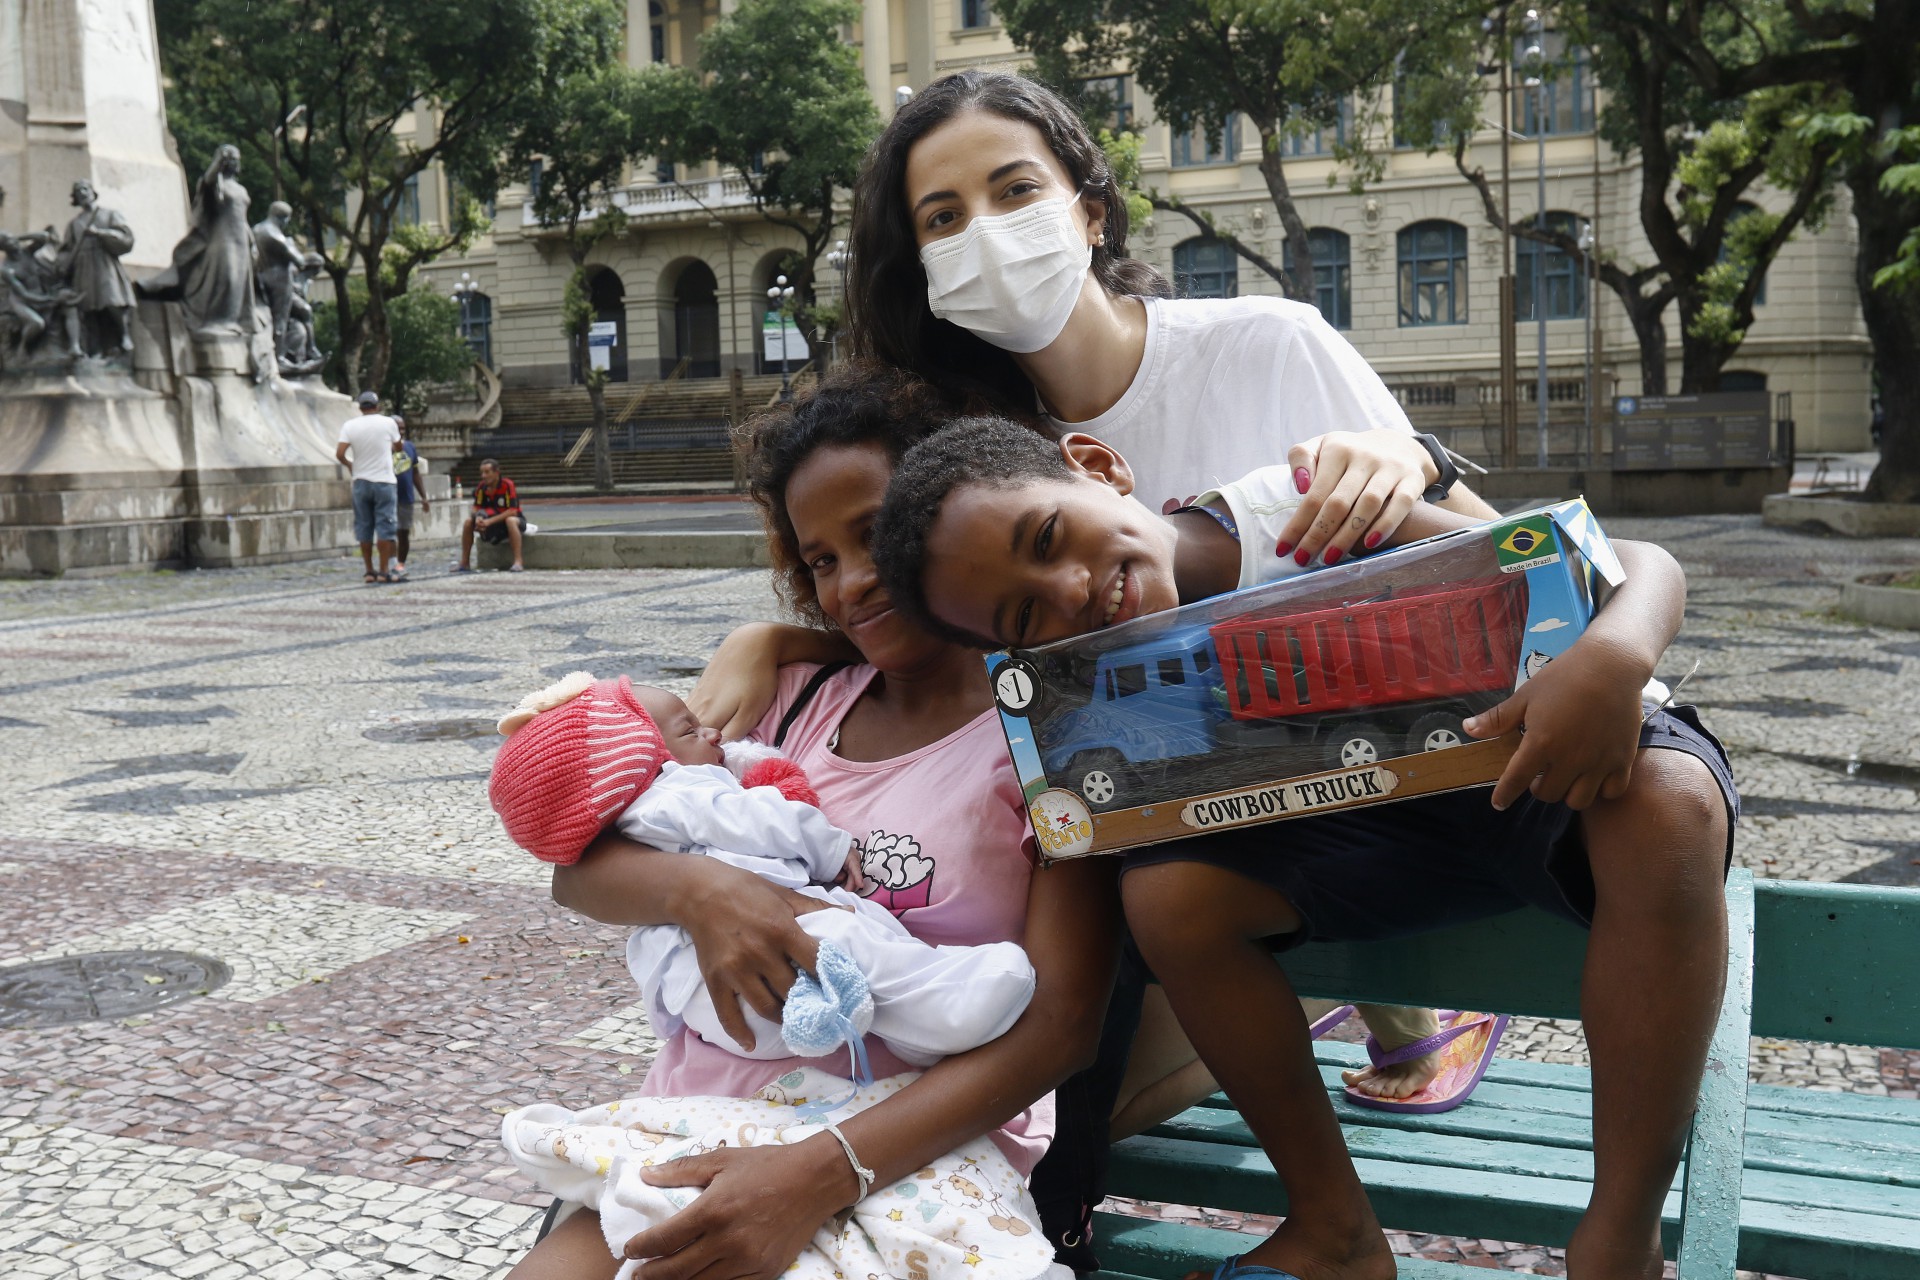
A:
[608,297]
[696,323]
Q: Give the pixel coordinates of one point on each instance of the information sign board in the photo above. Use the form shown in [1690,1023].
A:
[1697,432]
[601,335]
[776,338]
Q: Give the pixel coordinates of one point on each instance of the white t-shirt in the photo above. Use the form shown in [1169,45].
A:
[370,439]
[1261,503]
[1228,385]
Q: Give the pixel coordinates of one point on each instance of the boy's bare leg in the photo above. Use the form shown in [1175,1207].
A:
[1164,1075]
[513,536]
[574,1250]
[1393,1026]
[1650,994]
[466,543]
[1200,929]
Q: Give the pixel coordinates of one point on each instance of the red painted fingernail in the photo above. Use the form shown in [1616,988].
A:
[1301,557]
[1302,479]
[1283,548]
[1375,539]
[1333,555]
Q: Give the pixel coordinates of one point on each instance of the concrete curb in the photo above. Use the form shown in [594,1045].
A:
[1881,606]
[560,549]
[1846,516]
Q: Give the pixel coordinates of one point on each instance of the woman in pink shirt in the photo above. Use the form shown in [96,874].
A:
[905,751]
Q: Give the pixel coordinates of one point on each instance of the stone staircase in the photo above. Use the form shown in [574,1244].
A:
[667,436]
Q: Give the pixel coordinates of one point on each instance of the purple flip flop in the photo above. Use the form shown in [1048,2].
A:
[1329,1020]
[1465,1042]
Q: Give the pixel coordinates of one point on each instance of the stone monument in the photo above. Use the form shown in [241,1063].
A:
[170,423]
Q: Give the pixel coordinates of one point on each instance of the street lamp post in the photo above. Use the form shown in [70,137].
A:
[1537,81]
[837,259]
[781,295]
[465,285]
[1586,312]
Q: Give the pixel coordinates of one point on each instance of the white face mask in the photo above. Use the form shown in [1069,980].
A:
[1012,278]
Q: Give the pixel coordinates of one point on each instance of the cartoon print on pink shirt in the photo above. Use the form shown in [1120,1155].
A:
[899,876]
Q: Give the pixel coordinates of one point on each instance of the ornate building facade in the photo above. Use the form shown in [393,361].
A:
[1408,269]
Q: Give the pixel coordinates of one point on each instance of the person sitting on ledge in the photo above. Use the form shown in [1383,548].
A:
[496,517]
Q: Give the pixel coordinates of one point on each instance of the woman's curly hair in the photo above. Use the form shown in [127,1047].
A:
[859,403]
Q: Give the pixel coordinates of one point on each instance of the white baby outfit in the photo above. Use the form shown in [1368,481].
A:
[928,1001]
[966,1216]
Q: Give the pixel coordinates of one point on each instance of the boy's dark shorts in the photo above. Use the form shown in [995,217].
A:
[1396,869]
[497,533]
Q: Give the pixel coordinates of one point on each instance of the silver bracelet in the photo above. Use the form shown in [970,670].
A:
[860,1171]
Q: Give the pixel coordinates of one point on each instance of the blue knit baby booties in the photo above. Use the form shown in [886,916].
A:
[827,1008]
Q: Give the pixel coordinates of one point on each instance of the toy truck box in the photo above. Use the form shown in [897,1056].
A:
[1340,687]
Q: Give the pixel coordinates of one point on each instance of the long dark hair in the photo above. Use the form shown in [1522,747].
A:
[888,319]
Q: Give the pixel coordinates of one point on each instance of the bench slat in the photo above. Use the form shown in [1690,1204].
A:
[1850,1149]
[1827,1244]
[1834,962]
[1849,1195]
[1454,1200]
[1896,1112]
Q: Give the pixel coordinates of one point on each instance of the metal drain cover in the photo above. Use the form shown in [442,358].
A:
[432,731]
[102,985]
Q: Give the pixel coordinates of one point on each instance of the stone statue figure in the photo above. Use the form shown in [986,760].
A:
[283,268]
[37,309]
[89,260]
[212,272]
[301,358]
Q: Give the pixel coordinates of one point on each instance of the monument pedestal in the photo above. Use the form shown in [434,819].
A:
[102,468]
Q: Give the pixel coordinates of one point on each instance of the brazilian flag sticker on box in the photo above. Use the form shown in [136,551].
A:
[1526,543]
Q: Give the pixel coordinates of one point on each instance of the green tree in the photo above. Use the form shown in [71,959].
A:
[1701,163]
[784,103]
[389,89]
[585,135]
[426,344]
[1867,51]
[1285,66]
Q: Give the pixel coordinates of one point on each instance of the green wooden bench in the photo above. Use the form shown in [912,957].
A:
[1823,1186]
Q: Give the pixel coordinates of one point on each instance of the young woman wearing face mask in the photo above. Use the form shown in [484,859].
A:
[989,257]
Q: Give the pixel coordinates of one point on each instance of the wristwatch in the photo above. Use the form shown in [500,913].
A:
[1449,474]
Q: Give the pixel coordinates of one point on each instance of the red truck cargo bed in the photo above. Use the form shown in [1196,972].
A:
[1458,639]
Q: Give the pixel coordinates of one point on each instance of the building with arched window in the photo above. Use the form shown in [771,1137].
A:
[1407,268]
[1332,274]
[1205,269]
[1543,271]
[1433,273]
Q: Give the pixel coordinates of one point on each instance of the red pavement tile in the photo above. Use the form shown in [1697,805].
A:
[359,1079]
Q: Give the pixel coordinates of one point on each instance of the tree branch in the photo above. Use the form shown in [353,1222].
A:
[1209,232]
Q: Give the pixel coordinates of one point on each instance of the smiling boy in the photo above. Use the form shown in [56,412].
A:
[1613,816]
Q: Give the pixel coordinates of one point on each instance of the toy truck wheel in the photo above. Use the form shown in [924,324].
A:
[1096,776]
[1436,731]
[1352,745]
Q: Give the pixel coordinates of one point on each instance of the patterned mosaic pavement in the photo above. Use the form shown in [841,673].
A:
[282,770]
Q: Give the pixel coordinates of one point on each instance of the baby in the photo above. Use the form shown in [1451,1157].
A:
[584,754]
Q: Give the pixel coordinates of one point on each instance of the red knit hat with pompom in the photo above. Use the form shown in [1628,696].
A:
[566,772]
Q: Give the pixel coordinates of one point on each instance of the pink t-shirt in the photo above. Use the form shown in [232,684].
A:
[945,845]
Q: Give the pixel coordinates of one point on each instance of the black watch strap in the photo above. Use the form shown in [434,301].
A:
[1449,474]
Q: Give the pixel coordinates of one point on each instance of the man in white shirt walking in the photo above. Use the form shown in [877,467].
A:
[369,439]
